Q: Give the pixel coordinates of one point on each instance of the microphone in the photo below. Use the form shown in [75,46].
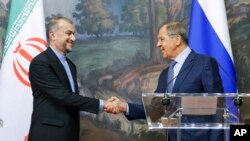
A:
[237,99]
[166,99]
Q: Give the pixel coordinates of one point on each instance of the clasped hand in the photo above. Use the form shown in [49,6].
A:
[115,106]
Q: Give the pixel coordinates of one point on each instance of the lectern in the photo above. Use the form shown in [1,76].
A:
[169,111]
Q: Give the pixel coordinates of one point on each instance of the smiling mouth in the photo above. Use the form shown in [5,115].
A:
[71,43]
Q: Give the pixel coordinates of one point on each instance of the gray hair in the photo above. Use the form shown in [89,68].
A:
[53,23]
[177,28]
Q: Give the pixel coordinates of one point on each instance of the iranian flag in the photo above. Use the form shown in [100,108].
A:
[25,39]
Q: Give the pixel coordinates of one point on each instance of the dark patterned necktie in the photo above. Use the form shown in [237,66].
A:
[170,82]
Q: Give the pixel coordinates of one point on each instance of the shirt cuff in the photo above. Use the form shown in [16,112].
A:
[127,112]
[101,105]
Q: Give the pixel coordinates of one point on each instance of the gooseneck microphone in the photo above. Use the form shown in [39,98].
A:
[238,101]
[166,98]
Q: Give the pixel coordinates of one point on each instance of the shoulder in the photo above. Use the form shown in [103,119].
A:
[41,57]
[203,58]
[164,72]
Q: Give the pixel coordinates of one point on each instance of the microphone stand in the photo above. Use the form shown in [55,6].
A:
[238,101]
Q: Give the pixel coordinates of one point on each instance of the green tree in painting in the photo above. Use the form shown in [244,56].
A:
[94,18]
[135,17]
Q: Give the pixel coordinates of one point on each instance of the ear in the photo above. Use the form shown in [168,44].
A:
[52,35]
[178,40]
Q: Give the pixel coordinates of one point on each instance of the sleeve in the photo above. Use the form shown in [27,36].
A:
[46,81]
[136,111]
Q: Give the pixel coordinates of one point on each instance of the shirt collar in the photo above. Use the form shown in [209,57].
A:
[59,55]
[183,55]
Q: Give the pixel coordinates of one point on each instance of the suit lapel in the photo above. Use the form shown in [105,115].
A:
[184,71]
[58,67]
[73,72]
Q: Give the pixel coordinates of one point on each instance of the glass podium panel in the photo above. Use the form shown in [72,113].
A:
[191,110]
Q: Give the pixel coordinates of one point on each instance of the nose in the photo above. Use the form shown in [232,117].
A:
[73,37]
[158,44]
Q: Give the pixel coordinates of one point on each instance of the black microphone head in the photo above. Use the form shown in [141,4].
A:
[165,100]
[237,101]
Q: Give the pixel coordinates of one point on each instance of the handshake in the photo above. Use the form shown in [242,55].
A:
[115,106]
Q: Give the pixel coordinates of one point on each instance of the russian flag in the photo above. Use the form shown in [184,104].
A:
[209,35]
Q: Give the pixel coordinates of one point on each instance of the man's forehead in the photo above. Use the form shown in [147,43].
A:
[66,26]
[162,32]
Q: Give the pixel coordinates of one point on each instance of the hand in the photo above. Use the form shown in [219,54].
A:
[110,104]
[115,105]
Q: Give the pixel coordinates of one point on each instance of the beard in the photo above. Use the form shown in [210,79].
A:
[68,48]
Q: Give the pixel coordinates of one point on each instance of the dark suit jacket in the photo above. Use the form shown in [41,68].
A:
[199,74]
[55,107]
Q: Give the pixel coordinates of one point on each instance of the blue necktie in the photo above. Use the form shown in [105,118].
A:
[67,69]
[170,80]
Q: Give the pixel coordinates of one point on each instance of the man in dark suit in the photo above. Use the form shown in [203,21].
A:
[193,73]
[57,102]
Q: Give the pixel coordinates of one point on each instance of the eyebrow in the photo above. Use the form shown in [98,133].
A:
[173,34]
